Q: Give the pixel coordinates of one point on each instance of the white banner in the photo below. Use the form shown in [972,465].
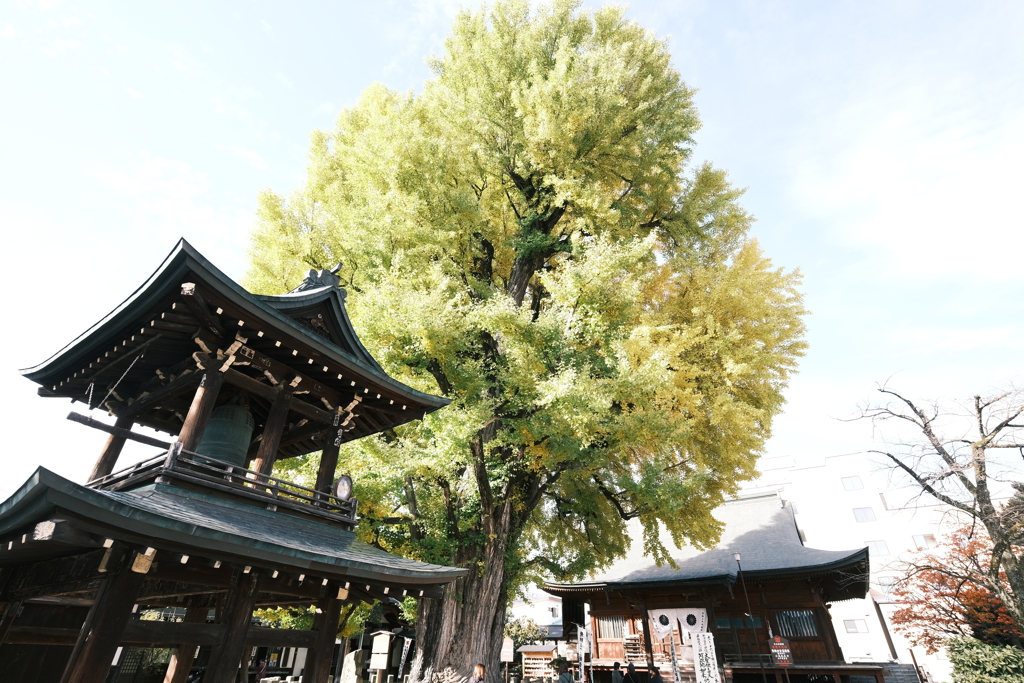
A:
[693,619]
[704,661]
[662,622]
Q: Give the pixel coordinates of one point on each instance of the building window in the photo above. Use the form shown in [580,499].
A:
[878,548]
[852,483]
[797,622]
[554,611]
[922,541]
[864,514]
[887,583]
[855,625]
[726,623]
[611,627]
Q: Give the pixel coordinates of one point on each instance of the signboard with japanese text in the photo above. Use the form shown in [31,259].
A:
[704,661]
[781,654]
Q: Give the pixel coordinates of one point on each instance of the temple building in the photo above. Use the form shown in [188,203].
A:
[237,382]
[759,584]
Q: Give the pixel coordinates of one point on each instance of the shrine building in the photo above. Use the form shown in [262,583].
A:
[237,382]
[759,582]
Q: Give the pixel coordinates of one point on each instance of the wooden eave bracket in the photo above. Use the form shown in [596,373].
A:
[195,302]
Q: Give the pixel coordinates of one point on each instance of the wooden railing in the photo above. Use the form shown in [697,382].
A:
[219,475]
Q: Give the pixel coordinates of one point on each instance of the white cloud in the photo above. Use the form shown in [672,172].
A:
[7,31]
[59,47]
[135,94]
[169,199]
[247,155]
[928,188]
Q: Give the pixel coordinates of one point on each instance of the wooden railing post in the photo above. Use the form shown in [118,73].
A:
[172,455]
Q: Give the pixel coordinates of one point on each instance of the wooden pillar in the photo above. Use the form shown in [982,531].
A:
[105,625]
[225,659]
[272,432]
[199,414]
[185,654]
[648,645]
[325,623]
[108,456]
[328,462]
[828,633]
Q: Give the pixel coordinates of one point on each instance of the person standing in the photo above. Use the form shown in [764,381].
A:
[631,676]
[564,675]
[656,675]
[478,674]
[616,673]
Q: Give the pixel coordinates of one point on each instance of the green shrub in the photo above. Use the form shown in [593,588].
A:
[975,662]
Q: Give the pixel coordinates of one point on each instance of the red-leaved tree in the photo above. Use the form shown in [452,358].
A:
[943,595]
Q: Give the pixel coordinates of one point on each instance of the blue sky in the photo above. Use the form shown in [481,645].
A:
[880,143]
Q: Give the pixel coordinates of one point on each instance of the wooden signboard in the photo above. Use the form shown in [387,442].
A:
[508,650]
[379,655]
[781,654]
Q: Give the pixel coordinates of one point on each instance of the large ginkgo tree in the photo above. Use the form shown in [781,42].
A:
[526,235]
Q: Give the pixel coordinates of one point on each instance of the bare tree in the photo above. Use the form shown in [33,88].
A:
[949,459]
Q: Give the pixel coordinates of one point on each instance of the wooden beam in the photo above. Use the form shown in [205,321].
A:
[71,574]
[104,626]
[283,585]
[268,392]
[225,659]
[162,392]
[62,531]
[192,573]
[283,372]
[116,432]
[169,633]
[279,637]
[272,432]
[325,623]
[41,635]
[202,406]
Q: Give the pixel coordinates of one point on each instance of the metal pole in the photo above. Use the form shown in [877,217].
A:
[750,615]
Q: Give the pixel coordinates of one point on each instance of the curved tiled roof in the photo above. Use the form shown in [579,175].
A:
[761,528]
[214,525]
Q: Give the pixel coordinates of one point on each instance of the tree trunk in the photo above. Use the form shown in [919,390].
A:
[466,626]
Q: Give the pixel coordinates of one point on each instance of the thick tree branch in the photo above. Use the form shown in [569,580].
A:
[925,484]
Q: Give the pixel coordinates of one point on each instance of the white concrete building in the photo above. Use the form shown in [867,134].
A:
[542,608]
[847,500]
